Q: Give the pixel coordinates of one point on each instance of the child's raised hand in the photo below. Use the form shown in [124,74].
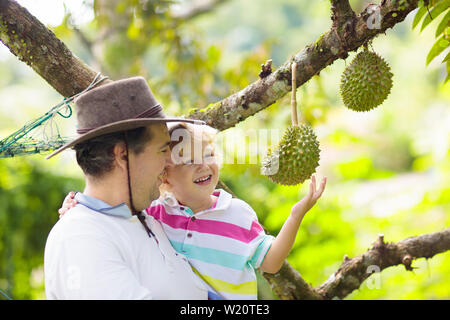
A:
[303,206]
[285,239]
[69,202]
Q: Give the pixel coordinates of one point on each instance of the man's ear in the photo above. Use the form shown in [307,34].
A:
[120,155]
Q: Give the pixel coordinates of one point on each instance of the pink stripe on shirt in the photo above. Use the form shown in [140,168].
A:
[215,202]
[205,226]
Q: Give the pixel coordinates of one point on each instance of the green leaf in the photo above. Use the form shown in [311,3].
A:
[440,7]
[443,24]
[440,45]
[419,15]
[213,54]
[447,58]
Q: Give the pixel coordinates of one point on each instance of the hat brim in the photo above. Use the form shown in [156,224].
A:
[123,125]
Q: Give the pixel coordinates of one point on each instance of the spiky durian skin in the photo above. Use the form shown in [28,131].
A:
[366,82]
[295,158]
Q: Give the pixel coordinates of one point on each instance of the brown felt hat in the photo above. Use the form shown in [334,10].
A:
[118,106]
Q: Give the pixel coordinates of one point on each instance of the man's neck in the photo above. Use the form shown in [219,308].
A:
[106,189]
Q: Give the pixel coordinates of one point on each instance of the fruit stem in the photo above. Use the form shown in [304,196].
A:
[294,94]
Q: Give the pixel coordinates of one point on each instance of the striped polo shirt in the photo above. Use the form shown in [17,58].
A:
[224,244]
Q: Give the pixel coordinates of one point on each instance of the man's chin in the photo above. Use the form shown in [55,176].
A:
[155,195]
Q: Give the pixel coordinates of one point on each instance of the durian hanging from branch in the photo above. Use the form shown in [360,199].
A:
[366,82]
[297,155]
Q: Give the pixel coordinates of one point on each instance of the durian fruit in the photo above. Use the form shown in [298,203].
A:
[295,158]
[366,82]
[297,155]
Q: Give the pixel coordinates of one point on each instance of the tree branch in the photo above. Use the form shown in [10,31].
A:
[382,255]
[288,284]
[348,33]
[341,12]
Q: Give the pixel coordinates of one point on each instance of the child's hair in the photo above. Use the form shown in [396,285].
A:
[197,133]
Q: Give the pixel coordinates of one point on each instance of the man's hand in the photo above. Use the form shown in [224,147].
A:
[69,202]
[304,205]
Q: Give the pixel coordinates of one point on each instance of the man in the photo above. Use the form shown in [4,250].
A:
[106,248]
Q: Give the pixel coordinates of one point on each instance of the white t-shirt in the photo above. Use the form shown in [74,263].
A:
[90,255]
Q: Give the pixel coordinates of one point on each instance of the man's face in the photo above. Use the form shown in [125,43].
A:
[147,166]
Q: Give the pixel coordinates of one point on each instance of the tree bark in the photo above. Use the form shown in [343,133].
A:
[288,284]
[36,45]
[353,272]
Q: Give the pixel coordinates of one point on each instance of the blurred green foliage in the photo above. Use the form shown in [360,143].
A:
[388,170]
[29,198]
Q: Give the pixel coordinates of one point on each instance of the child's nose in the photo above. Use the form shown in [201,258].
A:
[200,161]
[204,164]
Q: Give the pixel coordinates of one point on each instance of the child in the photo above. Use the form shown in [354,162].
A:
[219,235]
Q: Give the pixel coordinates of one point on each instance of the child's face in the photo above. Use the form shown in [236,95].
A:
[189,181]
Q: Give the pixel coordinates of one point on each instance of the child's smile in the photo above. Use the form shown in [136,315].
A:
[204,180]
